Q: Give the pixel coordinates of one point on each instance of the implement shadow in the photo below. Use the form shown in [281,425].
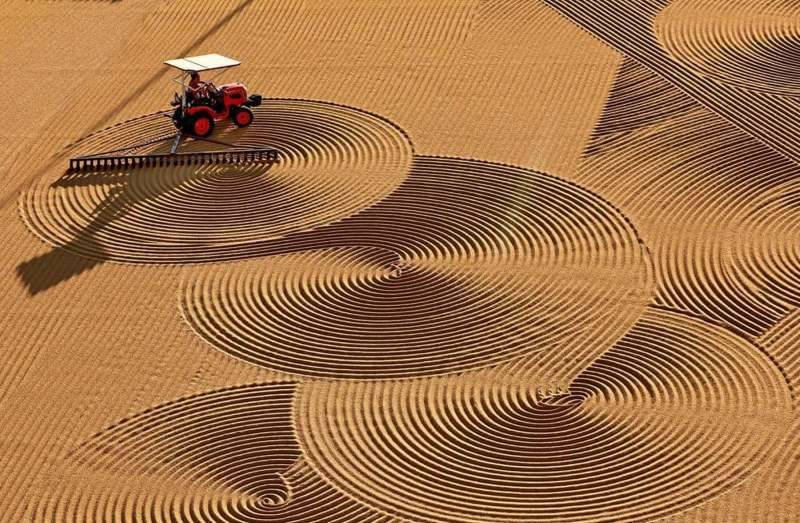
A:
[50,269]
[445,206]
[86,250]
[468,255]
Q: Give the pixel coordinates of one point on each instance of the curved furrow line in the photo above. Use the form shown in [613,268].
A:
[334,162]
[466,264]
[223,456]
[661,422]
[713,205]
[781,342]
[771,256]
[778,481]
[634,28]
[638,99]
[746,44]
[780,486]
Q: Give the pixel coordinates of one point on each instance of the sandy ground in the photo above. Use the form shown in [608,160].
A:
[520,261]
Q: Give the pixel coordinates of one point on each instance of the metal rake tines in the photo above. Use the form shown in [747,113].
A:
[158,160]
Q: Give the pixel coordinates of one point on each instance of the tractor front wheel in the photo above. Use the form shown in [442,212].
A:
[242,116]
[177,118]
[201,125]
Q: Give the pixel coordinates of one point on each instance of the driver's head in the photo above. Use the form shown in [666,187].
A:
[195,75]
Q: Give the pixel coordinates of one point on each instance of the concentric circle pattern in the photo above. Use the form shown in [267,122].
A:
[224,456]
[676,413]
[334,161]
[369,334]
[734,57]
[745,43]
[714,206]
[467,264]
[771,256]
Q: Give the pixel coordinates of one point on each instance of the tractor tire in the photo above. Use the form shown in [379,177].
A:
[177,118]
[242,116]
[201,125]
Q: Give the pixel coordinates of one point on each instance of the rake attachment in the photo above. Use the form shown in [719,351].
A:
[234,156]
[125,156]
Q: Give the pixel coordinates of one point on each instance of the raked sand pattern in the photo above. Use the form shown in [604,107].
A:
[334,161]
[465,265]
[516,261]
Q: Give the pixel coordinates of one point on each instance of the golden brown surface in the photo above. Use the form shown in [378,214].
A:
[520,261]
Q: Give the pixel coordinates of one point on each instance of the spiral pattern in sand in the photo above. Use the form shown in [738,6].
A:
[467,264]
[334,161]
[677,412]
[228,455]
[753,45]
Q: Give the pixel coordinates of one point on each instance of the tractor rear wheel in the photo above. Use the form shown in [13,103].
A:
[242,116]
[201,125]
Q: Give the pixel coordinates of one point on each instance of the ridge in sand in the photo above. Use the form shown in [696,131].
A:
[517,260]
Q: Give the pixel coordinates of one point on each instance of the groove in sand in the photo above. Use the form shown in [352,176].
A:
[753,45]
[334,162]
[632,28]
[466,264]
[676,413]
[360,261]
[226,455]
[714,205]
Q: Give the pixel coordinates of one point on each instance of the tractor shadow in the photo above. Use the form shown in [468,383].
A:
[60,264]
[48,270]
[87,248]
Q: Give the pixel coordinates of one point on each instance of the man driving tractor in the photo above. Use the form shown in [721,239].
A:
[199,89]
[201,104]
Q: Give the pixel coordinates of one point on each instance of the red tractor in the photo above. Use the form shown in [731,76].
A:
[200,104]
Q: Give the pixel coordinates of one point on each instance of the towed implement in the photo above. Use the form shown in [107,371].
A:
[197,108]
[232,155]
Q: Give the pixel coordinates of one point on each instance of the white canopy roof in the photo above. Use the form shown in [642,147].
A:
[204,62]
